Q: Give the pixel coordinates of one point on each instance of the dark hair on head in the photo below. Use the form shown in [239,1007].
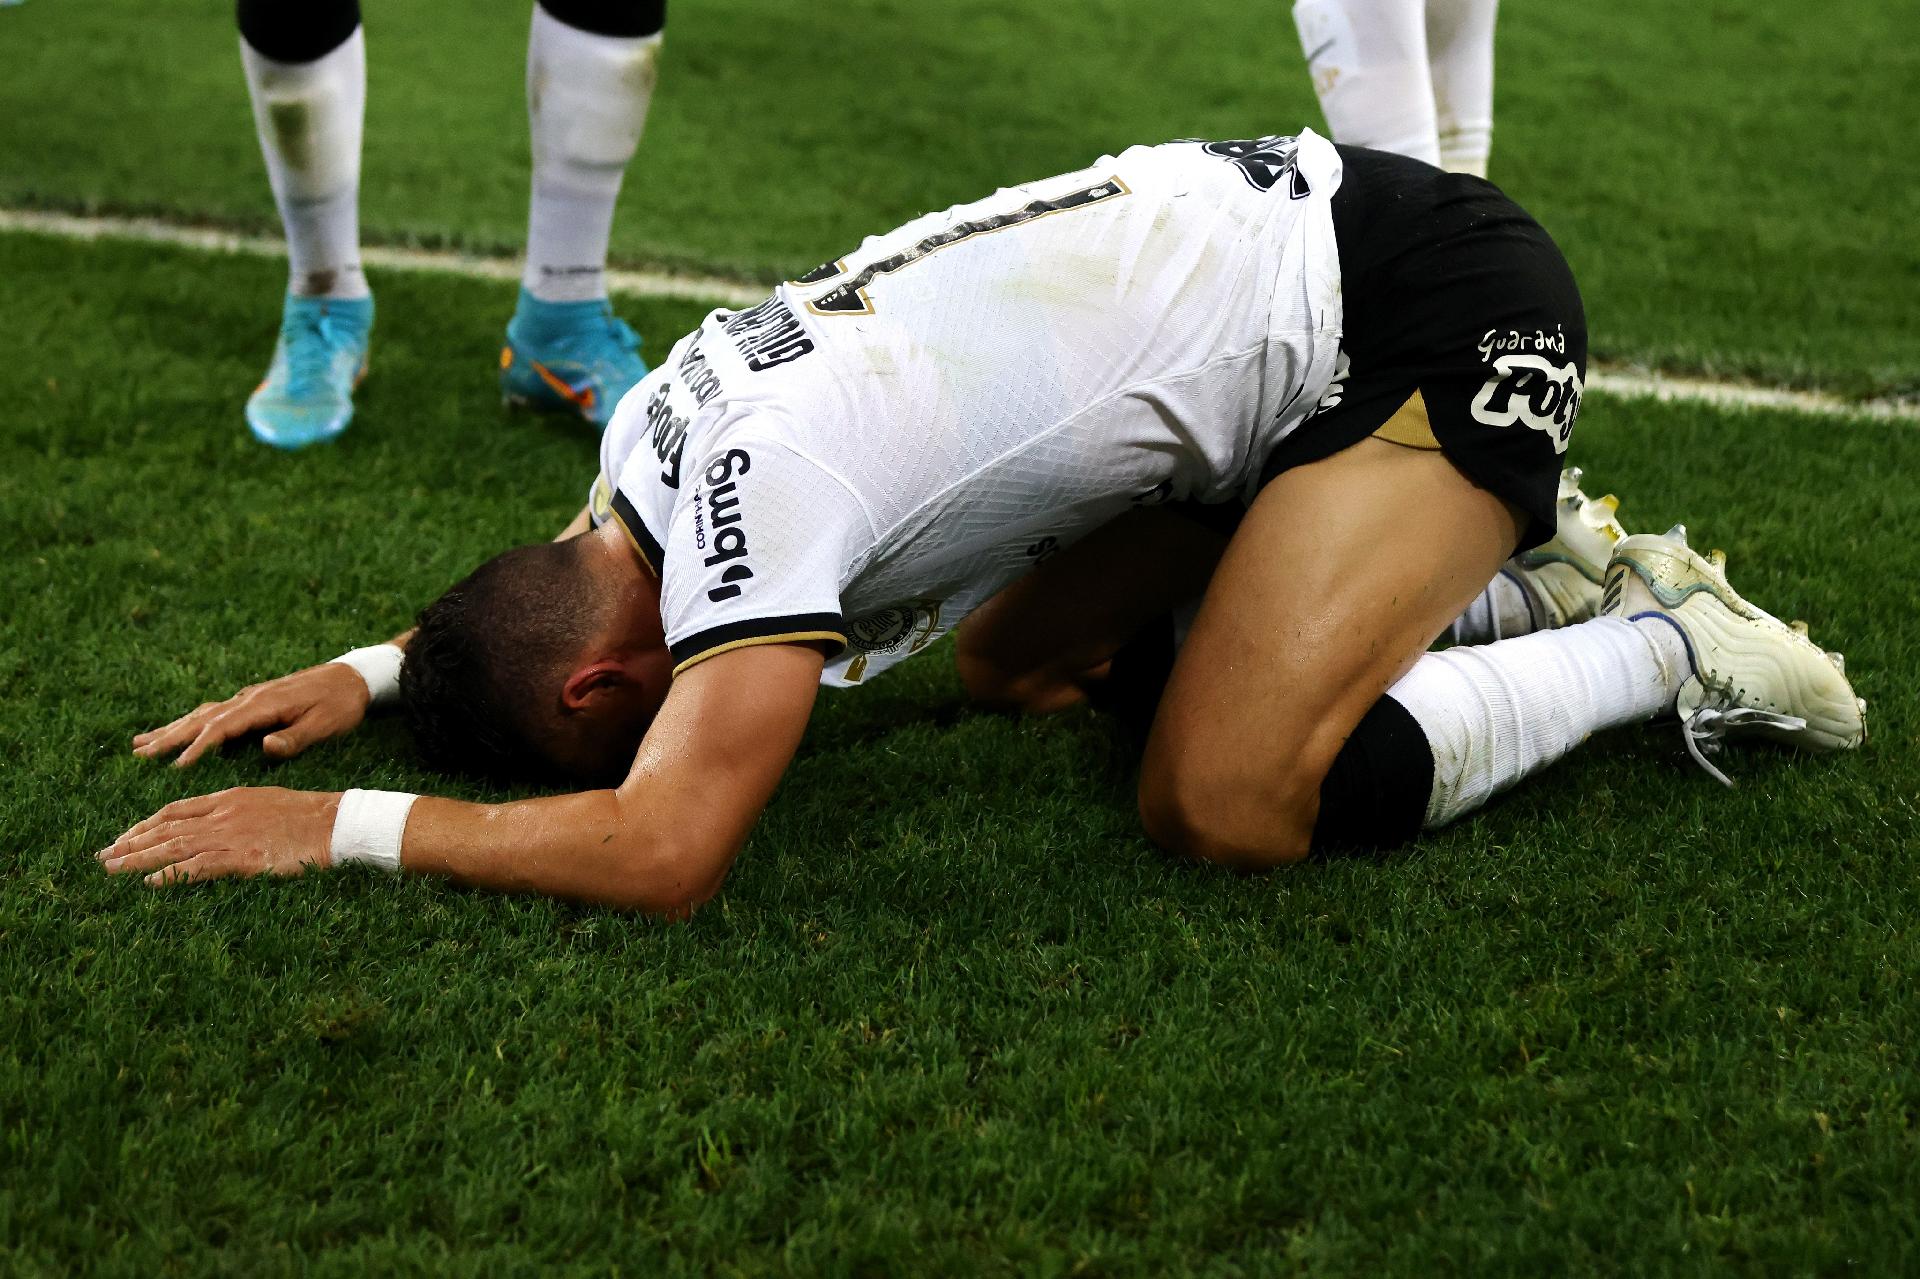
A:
[486,659]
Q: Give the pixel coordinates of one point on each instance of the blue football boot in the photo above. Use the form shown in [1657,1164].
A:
[321,356]
[569,357]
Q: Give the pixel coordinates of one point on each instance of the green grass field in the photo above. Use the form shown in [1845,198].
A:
[951,1014]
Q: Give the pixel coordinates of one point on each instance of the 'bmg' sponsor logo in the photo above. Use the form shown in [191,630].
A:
[716,522]
[1534,391]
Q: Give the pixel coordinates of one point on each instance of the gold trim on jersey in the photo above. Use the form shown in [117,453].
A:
[791,637]
[1409,426]
[600,505]
[839,266]
[640,548]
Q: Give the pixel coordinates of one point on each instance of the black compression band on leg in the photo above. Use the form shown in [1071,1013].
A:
[304,32]
[627,18]
[1375,795]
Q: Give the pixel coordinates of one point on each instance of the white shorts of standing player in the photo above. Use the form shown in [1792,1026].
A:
[1409,76]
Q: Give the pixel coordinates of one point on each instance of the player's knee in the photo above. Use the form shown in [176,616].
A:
[1000,687]
[986,681]
[1213,812]
[1017,688]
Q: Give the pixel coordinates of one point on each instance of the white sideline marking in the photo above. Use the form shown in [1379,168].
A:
[1624,381]
[653,284]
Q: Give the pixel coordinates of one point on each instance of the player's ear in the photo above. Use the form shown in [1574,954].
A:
[593,681]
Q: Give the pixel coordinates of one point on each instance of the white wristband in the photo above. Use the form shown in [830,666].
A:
[369,827]
[378,666]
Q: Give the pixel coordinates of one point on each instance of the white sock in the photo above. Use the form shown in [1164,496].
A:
[1368,60]
[1498,713]
[587,99]
[1502,611]
[1460,54]
[308,115]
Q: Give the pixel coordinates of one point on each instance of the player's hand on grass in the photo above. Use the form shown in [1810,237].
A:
[294,711]
[256,830]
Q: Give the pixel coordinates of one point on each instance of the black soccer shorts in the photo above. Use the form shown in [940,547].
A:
[1463,332]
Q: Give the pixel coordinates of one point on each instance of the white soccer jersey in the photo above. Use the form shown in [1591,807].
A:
[883,444]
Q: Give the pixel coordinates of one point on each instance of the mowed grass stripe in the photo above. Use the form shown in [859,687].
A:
[1625,381]
[951,1013]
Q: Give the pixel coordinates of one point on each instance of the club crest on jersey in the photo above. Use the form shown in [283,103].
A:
[1532,390]
[1264,161]
[716,523]
[903,628]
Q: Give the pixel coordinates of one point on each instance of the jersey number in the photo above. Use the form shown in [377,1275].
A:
[850,296]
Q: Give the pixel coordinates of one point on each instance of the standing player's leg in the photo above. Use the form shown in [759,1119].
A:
[1460,56]
[1368,60]
[590,76]
[306,73]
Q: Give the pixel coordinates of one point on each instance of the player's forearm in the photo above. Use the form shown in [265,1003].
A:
[586,847]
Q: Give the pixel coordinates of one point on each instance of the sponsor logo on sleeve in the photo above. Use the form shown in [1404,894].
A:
[667,433]
[1530,381]
[717,528]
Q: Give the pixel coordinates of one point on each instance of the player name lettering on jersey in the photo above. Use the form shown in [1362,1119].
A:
[1263,161]
[769,335]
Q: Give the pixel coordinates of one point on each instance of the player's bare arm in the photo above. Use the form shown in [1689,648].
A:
[660,842]
[293,712]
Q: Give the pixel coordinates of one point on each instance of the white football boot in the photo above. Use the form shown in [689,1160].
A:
[1752,673]
[1562,577]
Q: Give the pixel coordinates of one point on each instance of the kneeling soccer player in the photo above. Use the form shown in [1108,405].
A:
[1007,409]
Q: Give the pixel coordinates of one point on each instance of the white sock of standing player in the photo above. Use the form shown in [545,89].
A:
[1368,60]
[308,116]
[1460,56]
[587,98]
[1498,713]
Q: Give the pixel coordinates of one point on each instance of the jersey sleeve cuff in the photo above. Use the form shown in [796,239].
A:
[643,541]
[794,628]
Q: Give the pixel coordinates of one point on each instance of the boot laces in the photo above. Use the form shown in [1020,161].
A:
[311,337]
[1706,729]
